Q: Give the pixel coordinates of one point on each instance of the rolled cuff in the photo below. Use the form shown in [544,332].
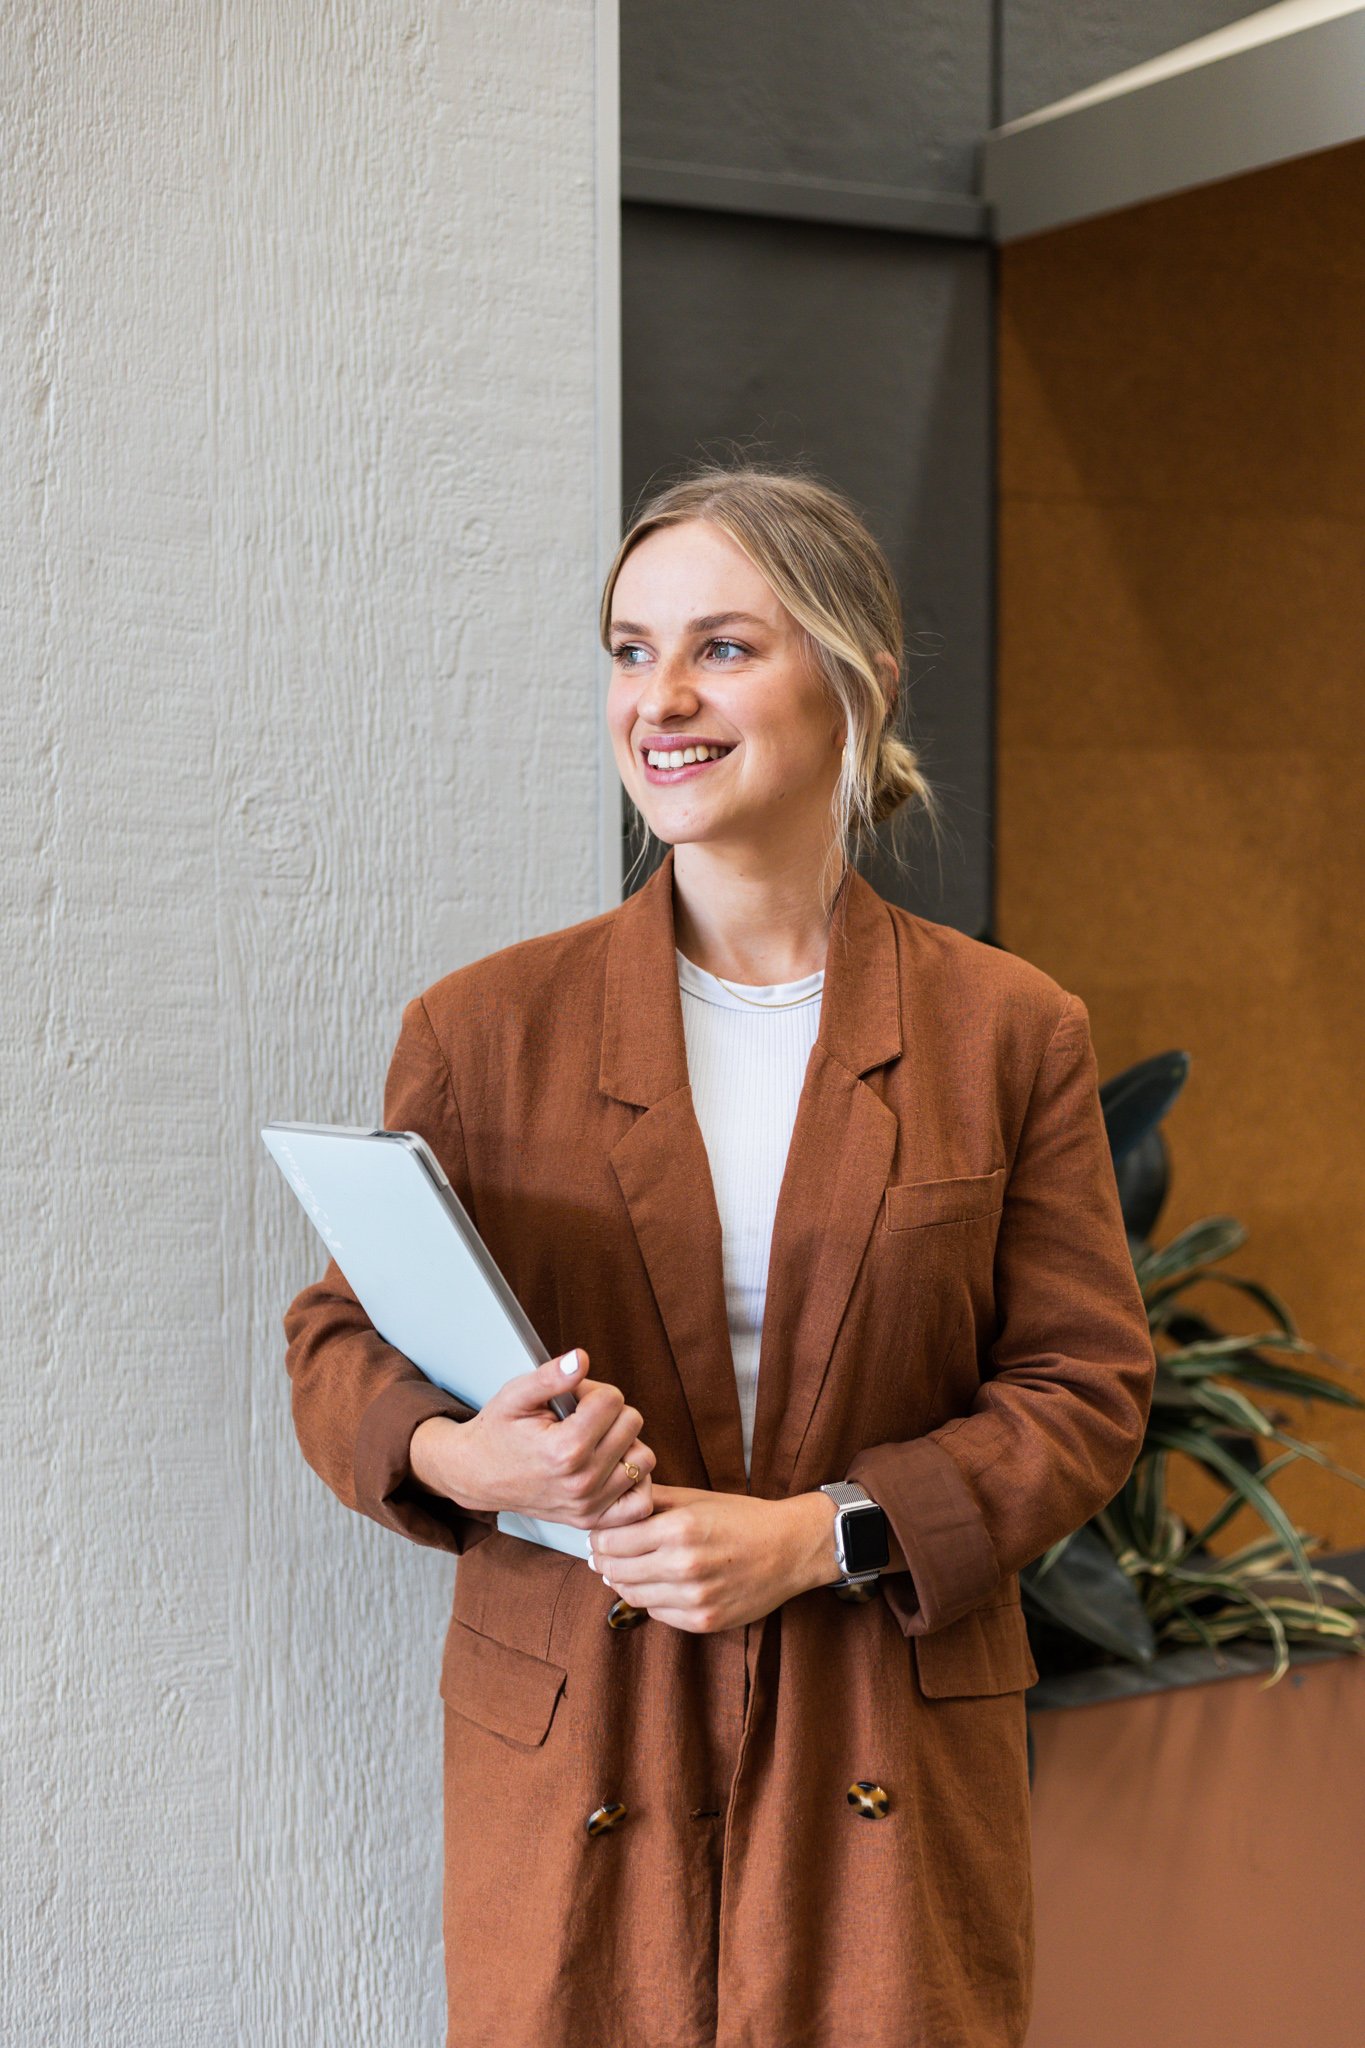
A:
[384,1483]
[940,1528]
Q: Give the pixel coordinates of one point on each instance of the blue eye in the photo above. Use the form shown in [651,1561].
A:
[629,647]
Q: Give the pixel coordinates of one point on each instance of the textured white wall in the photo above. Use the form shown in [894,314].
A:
[307,476]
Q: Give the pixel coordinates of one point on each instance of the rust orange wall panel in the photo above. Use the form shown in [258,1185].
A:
[1180,831]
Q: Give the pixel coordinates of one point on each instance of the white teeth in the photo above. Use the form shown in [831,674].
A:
[682,757]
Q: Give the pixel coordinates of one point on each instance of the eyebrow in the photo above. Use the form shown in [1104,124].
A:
[706,624]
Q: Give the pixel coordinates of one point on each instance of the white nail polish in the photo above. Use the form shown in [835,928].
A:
[569,1363]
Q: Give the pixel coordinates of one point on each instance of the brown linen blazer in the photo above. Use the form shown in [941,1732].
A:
[952,1319]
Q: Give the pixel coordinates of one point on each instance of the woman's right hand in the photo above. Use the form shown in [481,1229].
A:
[516,1455]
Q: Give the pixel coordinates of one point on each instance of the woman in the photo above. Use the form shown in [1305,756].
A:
[821,1191]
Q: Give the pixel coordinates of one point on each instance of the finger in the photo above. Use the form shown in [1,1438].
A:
[627,1494]
[627,1539]
[652,1593]
[619,1446]
[599,1404]
[529,1391]
[572,1449]
[674,1617]
[600,1510]
[632,1504]
[667,1496]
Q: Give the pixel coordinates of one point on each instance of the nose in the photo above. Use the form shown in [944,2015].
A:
[669,693]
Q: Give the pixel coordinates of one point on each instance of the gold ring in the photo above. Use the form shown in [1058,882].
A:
[634,1472]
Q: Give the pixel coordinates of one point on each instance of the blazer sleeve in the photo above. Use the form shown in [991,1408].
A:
[355,1400]
[1058,1420]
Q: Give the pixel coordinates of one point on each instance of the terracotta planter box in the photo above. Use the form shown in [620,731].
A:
[1199,1845]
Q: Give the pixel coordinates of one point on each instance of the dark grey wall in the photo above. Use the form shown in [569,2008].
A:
[865,350]
[833,343]
[863,89]
[1047,50]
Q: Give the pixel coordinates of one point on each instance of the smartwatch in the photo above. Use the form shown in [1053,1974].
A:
[860,1539]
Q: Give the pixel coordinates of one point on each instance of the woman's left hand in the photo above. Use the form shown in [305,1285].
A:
[706,1561]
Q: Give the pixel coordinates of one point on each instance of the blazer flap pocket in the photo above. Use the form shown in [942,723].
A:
[983,1651]
[912,1202]
[503,1689]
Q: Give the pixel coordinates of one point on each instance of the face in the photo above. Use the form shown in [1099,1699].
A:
[707,663]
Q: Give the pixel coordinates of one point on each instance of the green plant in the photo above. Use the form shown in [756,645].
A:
[1137,1577]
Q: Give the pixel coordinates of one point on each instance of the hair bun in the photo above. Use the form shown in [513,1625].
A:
[897,776]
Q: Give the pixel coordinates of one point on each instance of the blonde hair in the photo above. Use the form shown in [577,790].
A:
[810,544]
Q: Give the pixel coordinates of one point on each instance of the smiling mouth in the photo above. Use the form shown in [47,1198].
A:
[676,764]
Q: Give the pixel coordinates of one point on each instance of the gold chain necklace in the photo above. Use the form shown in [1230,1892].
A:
[809,997]
[795,1000]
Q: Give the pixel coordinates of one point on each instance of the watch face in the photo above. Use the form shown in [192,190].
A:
[865,1544]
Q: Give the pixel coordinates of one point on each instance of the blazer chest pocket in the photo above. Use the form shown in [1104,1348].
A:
[984,1651]
[911,1203]
[505,1690]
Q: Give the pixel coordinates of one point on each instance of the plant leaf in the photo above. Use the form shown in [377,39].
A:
[1271,1302]
[1302,1386]
[1206,1450]
[1135,1100]
[1222,1515]
[1198,1245]
[1088,1593]
[1211,1353]
[1318,1456]
[1275,1627]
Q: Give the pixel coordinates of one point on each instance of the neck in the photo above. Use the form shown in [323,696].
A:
[755,924]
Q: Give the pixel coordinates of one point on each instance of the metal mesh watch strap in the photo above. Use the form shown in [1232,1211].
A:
[846,1493]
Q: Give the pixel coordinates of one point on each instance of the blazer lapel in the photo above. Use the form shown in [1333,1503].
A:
[842,1147]
[663,1170]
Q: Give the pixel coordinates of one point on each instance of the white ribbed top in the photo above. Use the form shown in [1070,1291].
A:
[746,1065]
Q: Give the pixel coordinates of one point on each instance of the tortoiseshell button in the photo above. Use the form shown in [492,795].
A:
[868,1799]
[604,1817]
[622,1615]
[867,1591]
